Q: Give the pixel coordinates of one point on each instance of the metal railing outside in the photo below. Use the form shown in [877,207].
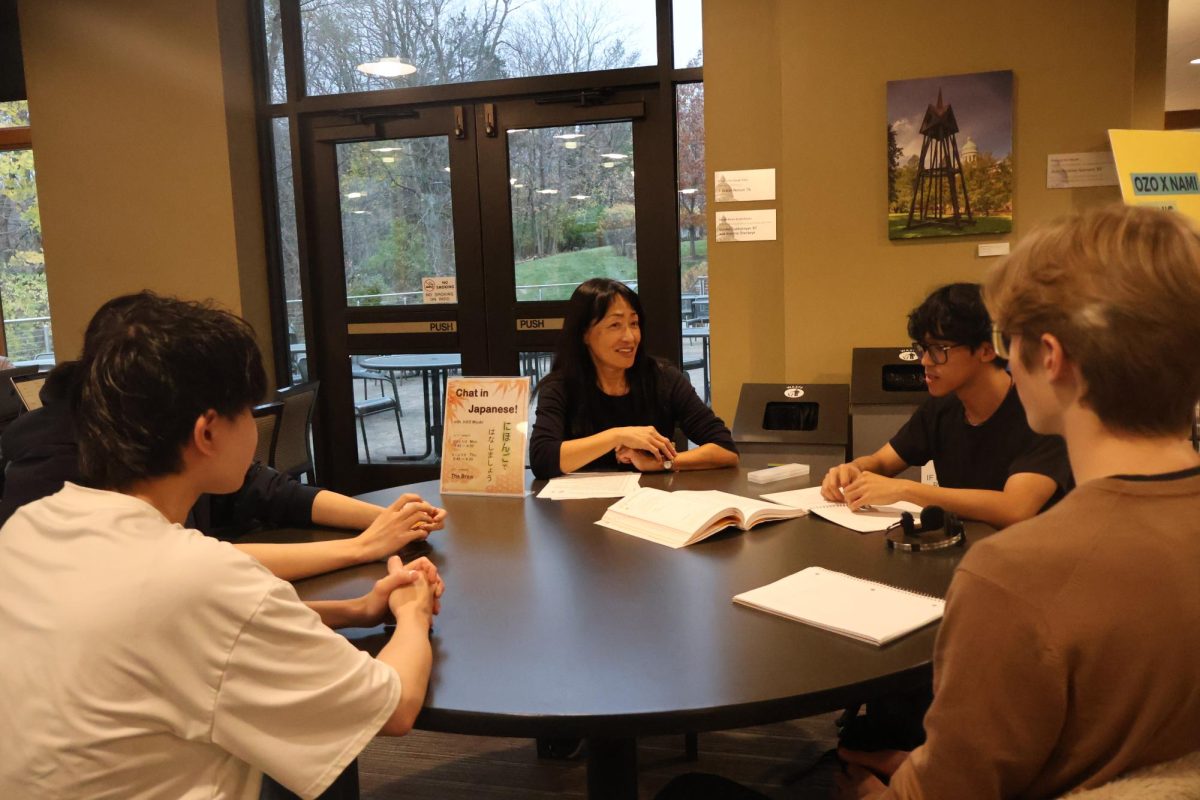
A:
[28,338]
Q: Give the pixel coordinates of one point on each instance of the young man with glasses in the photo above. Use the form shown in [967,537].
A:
[1067,656]
[990,465]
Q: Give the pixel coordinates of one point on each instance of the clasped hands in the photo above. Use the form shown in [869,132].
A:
[848,484]
[861,772]
[643,447]
[408,590]
[406,520]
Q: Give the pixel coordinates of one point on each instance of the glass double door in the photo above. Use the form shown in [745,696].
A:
[447,240]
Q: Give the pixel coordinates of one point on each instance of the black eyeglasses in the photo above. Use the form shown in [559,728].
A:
[1001,342]
[938,353]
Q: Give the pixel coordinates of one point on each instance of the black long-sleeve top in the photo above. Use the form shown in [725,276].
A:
[40,453]
[676,405]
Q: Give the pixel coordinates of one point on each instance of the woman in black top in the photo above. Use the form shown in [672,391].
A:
[606,402]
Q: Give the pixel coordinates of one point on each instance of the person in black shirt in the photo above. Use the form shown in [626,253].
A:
[990,465]
[606,403]
[41,453]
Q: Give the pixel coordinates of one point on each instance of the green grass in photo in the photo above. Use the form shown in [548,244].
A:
[981,225]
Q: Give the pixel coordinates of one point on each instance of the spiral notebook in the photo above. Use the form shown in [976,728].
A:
[855,607]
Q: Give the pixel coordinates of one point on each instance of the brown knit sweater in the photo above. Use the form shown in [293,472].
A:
[1070,648]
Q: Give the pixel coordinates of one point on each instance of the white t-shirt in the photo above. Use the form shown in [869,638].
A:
[142,659]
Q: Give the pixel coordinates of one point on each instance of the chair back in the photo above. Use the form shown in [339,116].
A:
[10,401]
[292,453]
[266,419]
[29,389]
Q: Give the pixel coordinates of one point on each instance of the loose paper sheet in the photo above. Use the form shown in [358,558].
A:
[587,485]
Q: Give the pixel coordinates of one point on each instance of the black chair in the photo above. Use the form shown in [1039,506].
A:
[10,399]
[377,405]
[266,419]
[292,452]
[29,389]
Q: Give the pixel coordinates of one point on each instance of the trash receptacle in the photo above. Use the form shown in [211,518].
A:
[785,422]
[886,386]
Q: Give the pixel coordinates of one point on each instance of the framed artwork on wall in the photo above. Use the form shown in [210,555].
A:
[950,165]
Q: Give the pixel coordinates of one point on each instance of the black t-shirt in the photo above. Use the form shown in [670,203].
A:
[676,404]
[981,456]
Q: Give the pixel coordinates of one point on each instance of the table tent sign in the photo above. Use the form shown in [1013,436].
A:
[485,436]
[1160,169]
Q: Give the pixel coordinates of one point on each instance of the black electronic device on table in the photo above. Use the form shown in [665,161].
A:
[938,529]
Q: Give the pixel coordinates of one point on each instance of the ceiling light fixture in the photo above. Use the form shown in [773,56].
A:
[388,159]
[547,191]
[389,67]
[613,156]
[1195,61]
[569,135]
[355,195]
[580,196]
[570,145]
[688,191]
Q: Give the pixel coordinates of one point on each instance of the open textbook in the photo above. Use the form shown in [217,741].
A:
[677,519]
[867,520]
[855,607]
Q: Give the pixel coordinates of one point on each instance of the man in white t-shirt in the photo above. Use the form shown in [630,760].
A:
[143,659]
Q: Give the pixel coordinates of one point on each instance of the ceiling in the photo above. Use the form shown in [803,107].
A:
[1183,44]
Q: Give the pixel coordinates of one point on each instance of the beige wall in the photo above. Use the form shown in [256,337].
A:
[800,85]
[145,154]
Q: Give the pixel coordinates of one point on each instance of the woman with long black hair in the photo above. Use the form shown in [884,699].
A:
[605,402]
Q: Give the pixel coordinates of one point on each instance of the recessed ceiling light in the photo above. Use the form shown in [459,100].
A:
[355,195]
[358,212]
[547,191]
[688,191]
[389,67]
[384,149]
[569,135]
[571,145]
[609,164]
[445,169]
[518,186]
[388,159]
[580,196]
[613,156]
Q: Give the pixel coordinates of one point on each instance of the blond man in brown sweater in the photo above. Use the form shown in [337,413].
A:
[1070,649]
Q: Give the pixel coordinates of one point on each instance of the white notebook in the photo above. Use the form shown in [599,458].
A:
[855,607]
[867,520]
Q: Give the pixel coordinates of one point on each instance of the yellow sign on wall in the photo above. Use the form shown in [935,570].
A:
[1159,169]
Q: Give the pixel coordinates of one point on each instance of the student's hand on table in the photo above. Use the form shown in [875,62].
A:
[642,460]
[644,437]
[836,479]
[406,520]
[414,593]
[869,489]
[856,783]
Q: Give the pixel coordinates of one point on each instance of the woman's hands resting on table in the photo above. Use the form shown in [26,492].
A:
[643,447]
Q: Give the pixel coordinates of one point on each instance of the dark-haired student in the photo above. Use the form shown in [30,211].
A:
[41,453]
[150,660]
[1068,652]
[991,466]
[606,402]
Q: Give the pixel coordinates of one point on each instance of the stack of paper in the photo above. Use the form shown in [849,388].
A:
[587,485]
[866,520]
[855,607]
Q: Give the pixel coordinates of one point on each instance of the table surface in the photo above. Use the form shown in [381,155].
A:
[414,361]
[554,626]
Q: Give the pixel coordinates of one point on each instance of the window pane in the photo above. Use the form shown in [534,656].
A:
[689,39]
[273,30]
[288,248]
[22,266]
[360,45]
[398,404]
[14,114]
[397,221]
[693,241]
[572,207]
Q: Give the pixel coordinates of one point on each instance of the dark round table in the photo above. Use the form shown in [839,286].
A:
[553,626]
